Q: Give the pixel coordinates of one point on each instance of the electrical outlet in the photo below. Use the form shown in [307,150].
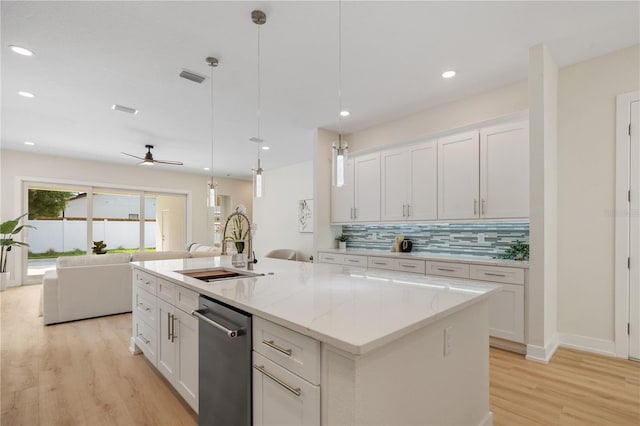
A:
[448,340]
[481,238]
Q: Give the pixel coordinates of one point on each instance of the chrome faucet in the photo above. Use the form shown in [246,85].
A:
[250,257]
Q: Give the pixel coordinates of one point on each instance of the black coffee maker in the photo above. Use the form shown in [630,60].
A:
[406,246]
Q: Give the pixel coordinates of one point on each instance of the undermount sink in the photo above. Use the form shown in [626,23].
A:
[217,274]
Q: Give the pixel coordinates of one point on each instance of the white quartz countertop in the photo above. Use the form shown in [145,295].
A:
[480,260]
[352,309]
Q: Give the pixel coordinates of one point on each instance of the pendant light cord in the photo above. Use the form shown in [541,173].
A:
[340,72]
[259,87]
[212,115]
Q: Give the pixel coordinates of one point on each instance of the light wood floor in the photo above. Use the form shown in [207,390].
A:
[81,373]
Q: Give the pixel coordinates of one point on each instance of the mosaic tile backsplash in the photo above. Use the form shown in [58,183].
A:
[444,238]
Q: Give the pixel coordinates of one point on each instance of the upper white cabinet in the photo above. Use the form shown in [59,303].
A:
[458,176]
[409,183]
[504,171]
[484,174]
[359,199]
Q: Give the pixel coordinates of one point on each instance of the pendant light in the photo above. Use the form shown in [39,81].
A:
[258,17]
[212,199]
[339,148]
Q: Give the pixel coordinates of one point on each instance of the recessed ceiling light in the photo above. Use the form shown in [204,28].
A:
[21,50]
[448,74]
[26,94]
[206,169]
[121,108]
[29,143]
[344,113]
[265,148]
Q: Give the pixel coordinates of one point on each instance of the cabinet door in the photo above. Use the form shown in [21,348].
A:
[186,372]
[504,171]
[506,313]
[342,197]
[395,183]
[367,188]
[458,176]
[281,397]
[422,201]
[166,347]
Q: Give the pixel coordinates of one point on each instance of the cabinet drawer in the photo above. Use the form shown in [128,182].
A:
[500,274]
[166,290]
[293,351]
[147,281]
[144,305]
[447,269]
[280,397]
[186,300]
[146,339]
[410,265]
[332,258]
[353,260]
[381,262]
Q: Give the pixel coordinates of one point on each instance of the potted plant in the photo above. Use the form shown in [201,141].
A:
[8,229]
[99,247]
[342,241]
[238,234]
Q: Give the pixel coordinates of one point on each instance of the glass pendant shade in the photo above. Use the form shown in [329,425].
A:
[257,181]
[212,200]
[338,163]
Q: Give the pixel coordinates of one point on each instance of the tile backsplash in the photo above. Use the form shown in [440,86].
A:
[475,239]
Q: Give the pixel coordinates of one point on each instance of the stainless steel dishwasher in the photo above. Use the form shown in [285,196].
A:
[225,365]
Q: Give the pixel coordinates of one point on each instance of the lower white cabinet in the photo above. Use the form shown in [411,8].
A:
[281,397]
[178,350]
[506,313]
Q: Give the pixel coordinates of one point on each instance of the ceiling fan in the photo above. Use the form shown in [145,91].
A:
[148,160]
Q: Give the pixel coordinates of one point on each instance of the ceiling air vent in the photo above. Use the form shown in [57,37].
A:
[192,76]
[121,108]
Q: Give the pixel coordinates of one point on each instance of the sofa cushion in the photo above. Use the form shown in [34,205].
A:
[103,259]
[199,250]
[159,255]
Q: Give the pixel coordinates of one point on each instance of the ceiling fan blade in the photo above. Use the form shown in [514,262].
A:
[175,163]
[134,156]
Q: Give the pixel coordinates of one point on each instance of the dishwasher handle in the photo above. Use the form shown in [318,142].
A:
[228,332]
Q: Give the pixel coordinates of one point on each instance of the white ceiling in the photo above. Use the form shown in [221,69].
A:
[90,55]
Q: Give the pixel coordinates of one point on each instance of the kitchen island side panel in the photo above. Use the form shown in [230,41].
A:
[411,380]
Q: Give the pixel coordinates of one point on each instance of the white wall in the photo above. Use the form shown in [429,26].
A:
[276,212]
[16,164]
[586,194]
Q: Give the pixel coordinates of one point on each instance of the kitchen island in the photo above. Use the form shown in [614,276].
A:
[392,348]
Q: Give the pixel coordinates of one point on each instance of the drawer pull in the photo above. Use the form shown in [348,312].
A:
[353,261]
[329,258]
[260,368]
[272,345]
[407,266]
[380,263]
[491,274]
[146,308]
[446,269]
[141,336]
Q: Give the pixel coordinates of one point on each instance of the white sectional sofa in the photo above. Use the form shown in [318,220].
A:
[92,286]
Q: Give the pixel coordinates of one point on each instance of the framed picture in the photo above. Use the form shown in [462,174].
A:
[305,215]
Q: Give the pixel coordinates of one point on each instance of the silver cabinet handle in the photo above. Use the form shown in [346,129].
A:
[484,202]
[446,269]
[142,305]
[168,326]
[272,345]
[355,213]
[352,260]
[379,263]
[173,328]
[230,333]
[404,210]
[329,258]
[407,266]
[475,206]
[141,336]
[408,210]
[260,368]
[491,274]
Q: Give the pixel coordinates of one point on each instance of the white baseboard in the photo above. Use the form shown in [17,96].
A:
[133,349]
[542,354]
[488,420]
[588,344]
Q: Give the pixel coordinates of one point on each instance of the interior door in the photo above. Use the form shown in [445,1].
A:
[634,237]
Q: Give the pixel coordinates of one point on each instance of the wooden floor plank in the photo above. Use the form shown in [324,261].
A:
[81,373]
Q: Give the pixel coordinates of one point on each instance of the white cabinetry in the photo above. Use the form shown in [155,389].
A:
[286,376]
[506,308]
[359,199]
[484,174]
[504,171]
[178,340]
[458,176]
[166,332]
[409,183]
